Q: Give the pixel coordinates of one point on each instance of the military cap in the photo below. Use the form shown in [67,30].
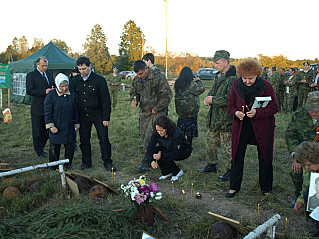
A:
[306,62]
[312,103]
[274,68]
[221,54]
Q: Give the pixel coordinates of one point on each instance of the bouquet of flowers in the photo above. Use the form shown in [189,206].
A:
[141,192]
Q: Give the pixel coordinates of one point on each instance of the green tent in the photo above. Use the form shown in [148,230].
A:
[59,62]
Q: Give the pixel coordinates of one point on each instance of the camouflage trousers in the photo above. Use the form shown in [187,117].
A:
[302,98]
[219,140]
[289,102]
[146,126]
[114,94]
[297,181]
[280,99]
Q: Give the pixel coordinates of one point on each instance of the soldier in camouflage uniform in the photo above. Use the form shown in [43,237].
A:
[302,127]
[280,88]
[187,104]
[274,78]
[113,81]
[149,59]
[150,90]
[291,90]
[265,73]
[219,121]
[304,84]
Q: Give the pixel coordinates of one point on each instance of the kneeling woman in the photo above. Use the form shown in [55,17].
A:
[167,144]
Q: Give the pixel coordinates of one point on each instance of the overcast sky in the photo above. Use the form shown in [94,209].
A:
[245,28]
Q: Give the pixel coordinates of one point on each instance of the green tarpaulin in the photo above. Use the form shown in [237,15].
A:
[58,62]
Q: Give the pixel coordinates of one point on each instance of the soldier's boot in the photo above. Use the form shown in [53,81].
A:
[143,166]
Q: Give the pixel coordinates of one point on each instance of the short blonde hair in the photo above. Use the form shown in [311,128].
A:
[249,67]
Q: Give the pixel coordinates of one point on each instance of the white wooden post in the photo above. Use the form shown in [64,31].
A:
[44,165]
[268,226]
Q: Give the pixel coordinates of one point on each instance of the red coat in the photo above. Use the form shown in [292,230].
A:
[263,122]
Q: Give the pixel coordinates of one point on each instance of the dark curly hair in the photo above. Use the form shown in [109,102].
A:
[165,123]
[249,67]
[307,151]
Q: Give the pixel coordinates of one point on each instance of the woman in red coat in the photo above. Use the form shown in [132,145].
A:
[251,125]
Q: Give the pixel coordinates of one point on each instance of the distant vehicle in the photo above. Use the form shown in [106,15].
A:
[130,75]
[124,74]
[206,73]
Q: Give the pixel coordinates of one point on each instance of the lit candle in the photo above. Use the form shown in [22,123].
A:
[173,187]
[247,108]
[112,172]
[135,99]
[183,194]
[286,225]
[114,177]
[258,210]
[198,195]
[192,189]
[243,109]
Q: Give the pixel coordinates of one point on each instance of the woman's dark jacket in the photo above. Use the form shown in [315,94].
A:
[61,112]
[263,122]
[174,147]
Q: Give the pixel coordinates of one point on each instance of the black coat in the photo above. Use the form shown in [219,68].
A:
[62,111]
[93,95]
[36,86]
[174,147]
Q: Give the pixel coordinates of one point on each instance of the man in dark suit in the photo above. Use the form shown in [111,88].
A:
[38,83]
[94,104]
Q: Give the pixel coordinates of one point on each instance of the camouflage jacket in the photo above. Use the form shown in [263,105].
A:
[300,128]
[305,76]
[218,118]
[187,102]
[292,84]
[153,93]
[305,185]
[274,80]
[113,79]
[264,76]
[280,86]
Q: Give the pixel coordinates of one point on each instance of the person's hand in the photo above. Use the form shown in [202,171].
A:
[54,130]
[133,104]
[251,113]
[303,81]
[240,115]
[208,100]
[154,164]
[106,123]
[157,156]
[47,90]
[298,206]
[296,167]
[154,112]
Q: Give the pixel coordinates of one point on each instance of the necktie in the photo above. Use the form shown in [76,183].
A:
[45,78]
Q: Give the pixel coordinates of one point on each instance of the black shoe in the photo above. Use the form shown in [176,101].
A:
[85,166]
[109,167]
[142,168]
[226,176]
[313,233]
[43,156]
[210,168]
[230,195]
[45,152]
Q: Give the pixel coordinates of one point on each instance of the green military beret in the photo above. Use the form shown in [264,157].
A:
[221,54]
[312,103]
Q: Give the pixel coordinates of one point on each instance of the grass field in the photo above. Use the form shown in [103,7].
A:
[55,213]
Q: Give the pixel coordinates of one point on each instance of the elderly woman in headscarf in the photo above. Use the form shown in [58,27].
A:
[61,118]
[251,125]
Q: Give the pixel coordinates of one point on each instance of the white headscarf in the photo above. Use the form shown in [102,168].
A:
[60,78]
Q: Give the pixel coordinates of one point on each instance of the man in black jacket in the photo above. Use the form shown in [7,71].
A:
[38,84]
[94,106]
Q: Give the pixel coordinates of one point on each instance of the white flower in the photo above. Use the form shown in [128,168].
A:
[152,194]
[158,196]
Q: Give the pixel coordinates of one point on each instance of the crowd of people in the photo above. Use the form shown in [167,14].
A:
[235,118]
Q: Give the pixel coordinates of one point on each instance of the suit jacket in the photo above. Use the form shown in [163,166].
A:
[36,86]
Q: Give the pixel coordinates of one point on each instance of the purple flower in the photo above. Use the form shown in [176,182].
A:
[144,188]
[140,197]
[154,187]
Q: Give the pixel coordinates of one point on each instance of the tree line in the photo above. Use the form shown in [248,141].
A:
[131,48]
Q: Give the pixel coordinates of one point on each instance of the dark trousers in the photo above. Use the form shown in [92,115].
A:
[39,133]
[237,168]
[54,154]
[85,137]
[168,166]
